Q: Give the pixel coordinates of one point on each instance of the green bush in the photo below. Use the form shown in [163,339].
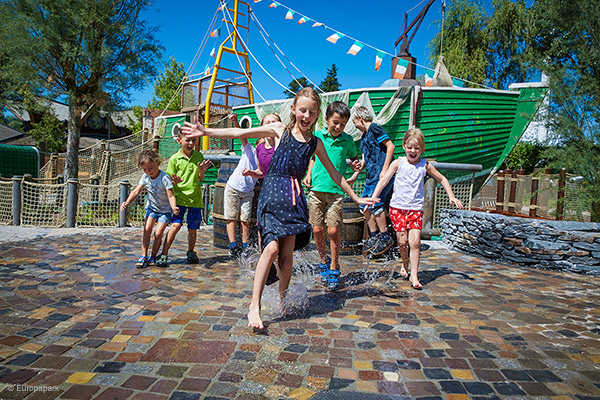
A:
[525,155]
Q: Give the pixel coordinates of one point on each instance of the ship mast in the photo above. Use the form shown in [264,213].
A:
[405,41]
[213,96]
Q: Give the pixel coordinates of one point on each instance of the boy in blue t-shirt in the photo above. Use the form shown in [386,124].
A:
[378,153]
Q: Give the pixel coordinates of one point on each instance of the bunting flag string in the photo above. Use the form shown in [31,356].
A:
[212,53]
[356,47]
[216,32]
[335,37]
[428,80]
[457,82]
[400,70]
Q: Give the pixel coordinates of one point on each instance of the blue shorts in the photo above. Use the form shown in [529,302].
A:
[165,218]
[379,207]
[194,216]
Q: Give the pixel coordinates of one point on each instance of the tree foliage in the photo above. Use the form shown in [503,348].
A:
[87,52]
[330,83]
[166,87]
[527,156]
[295,85]
[49,131]
[565,44]
[485,49]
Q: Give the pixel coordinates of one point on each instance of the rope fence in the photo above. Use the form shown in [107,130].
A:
[538,194]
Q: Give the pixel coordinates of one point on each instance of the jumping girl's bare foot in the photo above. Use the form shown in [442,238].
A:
[254,320]
[416,284]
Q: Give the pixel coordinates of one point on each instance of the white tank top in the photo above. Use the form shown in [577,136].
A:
[409,184]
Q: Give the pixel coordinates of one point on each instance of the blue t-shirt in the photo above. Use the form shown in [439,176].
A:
[374,150]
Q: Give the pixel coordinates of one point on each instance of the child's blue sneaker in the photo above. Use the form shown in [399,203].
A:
[324,267]
[333,282]
[151,260]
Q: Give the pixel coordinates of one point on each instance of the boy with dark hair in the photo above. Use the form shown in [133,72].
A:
[325,200]
[186,168]
[378,153]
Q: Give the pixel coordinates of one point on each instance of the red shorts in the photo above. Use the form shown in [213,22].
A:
[404,220]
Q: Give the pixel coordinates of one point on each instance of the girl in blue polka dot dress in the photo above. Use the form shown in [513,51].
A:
[282,210]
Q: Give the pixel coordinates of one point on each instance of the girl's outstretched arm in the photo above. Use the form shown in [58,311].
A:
[336,176]
[196,129]
[437,175]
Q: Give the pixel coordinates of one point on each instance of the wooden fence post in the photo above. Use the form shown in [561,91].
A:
[512,194]
[535,178]
[560,203]
[500,191]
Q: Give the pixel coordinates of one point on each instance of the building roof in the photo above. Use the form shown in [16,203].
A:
[8,134]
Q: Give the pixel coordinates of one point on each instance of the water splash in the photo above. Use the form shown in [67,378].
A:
[306,291]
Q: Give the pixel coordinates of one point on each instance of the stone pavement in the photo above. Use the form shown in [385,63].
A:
[79,321]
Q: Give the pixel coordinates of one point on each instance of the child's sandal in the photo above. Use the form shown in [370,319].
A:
[142,262]
[333,279]
[324,267]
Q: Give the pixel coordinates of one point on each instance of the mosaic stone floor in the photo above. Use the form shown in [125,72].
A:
[79,321]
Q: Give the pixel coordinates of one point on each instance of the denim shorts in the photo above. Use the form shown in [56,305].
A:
[378,208]
[194,216]
[165,218]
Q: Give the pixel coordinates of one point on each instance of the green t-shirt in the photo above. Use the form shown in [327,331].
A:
[189,192]
[338,150]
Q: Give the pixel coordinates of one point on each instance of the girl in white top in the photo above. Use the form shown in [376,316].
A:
[406,205]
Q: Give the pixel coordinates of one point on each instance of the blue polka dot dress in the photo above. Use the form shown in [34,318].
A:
[282,209]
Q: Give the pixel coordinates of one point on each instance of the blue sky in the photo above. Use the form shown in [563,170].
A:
[183,25]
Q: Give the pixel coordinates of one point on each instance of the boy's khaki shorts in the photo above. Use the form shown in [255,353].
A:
[237,205]
[318,202]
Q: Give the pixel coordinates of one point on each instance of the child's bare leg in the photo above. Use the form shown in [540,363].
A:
[171,237]
[147,234]
[414,240]
[319,234]
[231,225]
[158,234]
[286,260]
[245,228]
[335,242]
[267,258]
[192,235]
[403,247]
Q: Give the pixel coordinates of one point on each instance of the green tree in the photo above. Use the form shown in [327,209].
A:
[565,44]
[87,52]
[166,87]
[49,131]
[507,31]
[330,83]
[525,155]
[295,85]
[485,49]
[464,40]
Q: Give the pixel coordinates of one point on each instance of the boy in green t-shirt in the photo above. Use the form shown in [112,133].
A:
[186,168]
[325,200]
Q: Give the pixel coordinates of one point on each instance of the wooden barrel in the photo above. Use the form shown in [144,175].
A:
[220,238]
[352,228]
